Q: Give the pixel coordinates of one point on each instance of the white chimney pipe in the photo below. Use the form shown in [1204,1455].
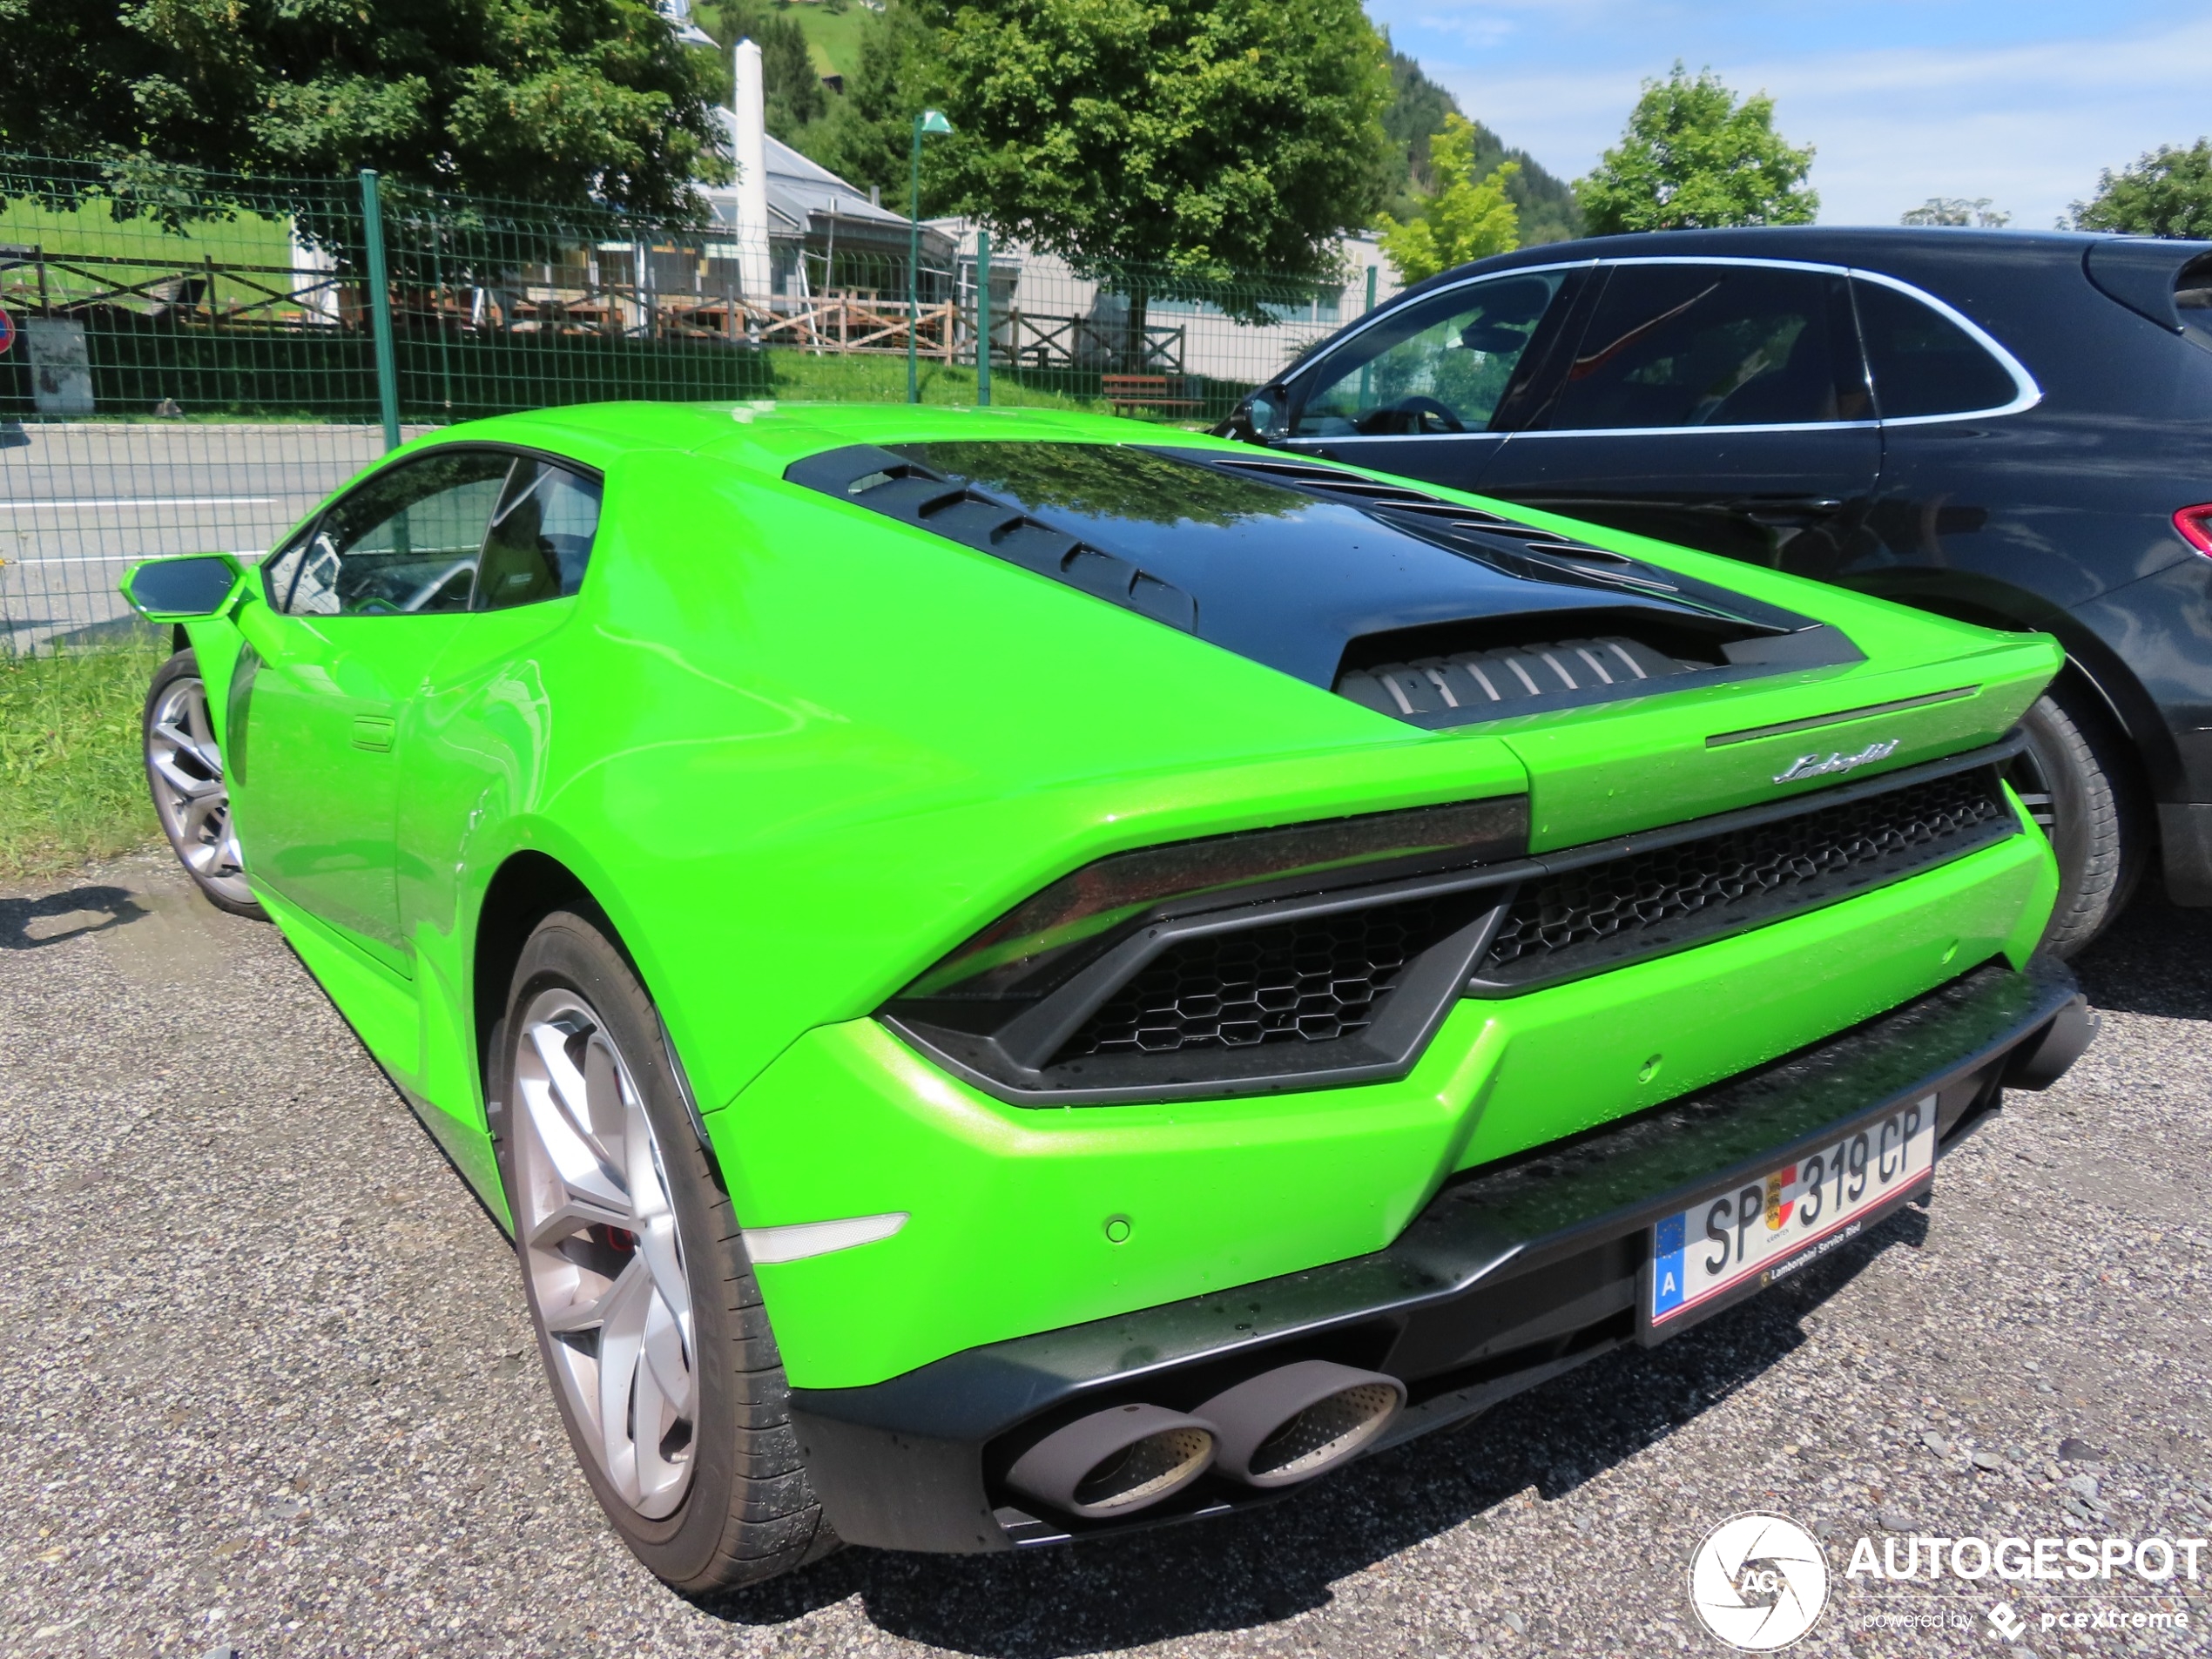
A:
[752,173]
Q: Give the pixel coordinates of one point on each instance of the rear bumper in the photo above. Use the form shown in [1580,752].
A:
[1514,1273]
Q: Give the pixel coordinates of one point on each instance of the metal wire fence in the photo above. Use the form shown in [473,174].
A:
[193,361]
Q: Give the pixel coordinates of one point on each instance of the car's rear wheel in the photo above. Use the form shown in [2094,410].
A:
[190,795]
[648,1321]
[2074,780]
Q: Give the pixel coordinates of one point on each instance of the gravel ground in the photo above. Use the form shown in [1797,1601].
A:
[268,1385]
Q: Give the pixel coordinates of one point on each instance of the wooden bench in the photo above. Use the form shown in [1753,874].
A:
[1141,392]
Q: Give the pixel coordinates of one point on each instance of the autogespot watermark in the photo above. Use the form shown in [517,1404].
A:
[1759,1581]
[2155,1561]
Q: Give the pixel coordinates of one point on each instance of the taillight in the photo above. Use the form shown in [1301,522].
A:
[2195,526]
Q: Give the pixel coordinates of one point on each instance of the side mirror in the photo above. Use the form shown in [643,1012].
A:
[188,588]
[1257,418]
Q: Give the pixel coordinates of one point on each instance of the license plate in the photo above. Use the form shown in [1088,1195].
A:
[1728,1245]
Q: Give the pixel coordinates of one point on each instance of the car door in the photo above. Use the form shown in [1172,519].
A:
[473,737]
[1721,404]
[358,606]
[1428,389]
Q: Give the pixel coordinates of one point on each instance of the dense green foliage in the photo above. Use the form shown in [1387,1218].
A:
[543,100]
[901,69]
[72,786]
[1417,109]
[866,135]
[1694,158]
[795,95]
[2167,192]
[1958,211]
[1202,136]
[1466,219]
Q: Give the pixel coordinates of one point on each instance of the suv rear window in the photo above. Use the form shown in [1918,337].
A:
[1716,346]
[1923,363]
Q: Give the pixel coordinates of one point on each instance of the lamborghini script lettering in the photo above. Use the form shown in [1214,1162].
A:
[1816,765]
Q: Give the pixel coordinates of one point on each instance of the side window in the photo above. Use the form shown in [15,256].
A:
[1439,365]
[1923,362]
[405,543]
[1714,346]
[541,536]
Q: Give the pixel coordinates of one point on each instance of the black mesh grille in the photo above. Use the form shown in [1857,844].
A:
[1647,901]
[1310,981]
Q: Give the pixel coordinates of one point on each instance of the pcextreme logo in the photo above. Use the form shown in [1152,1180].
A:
[1758,1581]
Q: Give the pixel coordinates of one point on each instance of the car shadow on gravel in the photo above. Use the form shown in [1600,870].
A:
[2156,960]
[1272,1564]
[55,917]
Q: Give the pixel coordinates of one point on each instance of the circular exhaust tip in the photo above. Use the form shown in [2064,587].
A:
[1292,1423]
[1150,1469]
[1323,1433]
[1114,1462]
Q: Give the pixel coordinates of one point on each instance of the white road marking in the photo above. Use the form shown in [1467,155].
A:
[133,558]
[146,500]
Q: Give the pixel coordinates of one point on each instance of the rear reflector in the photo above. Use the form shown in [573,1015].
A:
[2195,526]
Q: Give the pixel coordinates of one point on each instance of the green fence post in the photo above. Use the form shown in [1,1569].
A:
[1371,288]
[982,318]
[380,309]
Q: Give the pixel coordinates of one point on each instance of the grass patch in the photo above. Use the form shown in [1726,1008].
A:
[72,785]
[832,38]
[151,250]
[804,377]
[801,377]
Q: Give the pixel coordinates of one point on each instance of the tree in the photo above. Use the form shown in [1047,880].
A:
[563,101]
[1467,218]
[793,90]
[1693,157]
[2167,192]
[1169,144]
[1955,211]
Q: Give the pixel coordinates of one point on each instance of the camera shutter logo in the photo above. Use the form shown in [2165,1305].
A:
[1758,1581]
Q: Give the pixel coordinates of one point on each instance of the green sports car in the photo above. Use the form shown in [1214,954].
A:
[1019,976]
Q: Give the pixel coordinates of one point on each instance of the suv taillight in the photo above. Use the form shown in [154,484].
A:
[2195,526]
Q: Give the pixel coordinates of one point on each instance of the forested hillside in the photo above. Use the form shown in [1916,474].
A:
[1417,109]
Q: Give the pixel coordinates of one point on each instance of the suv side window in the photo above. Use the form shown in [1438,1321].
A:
[1440,365]
[1714,346]
[541,536]
[1923,362]
[404,542]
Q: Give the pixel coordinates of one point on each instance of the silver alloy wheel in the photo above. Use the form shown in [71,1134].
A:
[599,1241]
[185,769]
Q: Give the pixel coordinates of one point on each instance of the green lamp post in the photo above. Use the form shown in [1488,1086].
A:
[929,123]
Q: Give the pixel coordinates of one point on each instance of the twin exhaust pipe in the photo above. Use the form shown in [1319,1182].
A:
[1277,1429]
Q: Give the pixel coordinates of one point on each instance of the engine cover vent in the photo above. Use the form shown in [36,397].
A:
[1473,686]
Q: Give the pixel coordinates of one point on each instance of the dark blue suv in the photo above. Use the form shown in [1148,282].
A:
[2013,429]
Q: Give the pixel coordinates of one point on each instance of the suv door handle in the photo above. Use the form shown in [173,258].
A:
[372,732]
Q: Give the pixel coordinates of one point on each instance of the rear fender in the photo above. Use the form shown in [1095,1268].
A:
[2090,663]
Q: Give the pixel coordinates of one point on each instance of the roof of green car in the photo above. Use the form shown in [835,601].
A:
[769,436]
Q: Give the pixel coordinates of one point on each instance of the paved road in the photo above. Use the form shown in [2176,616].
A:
[79,500]
[268,1384]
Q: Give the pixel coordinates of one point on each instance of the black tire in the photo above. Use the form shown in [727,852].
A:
[2077,781]
[196,824]
[748,1512]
